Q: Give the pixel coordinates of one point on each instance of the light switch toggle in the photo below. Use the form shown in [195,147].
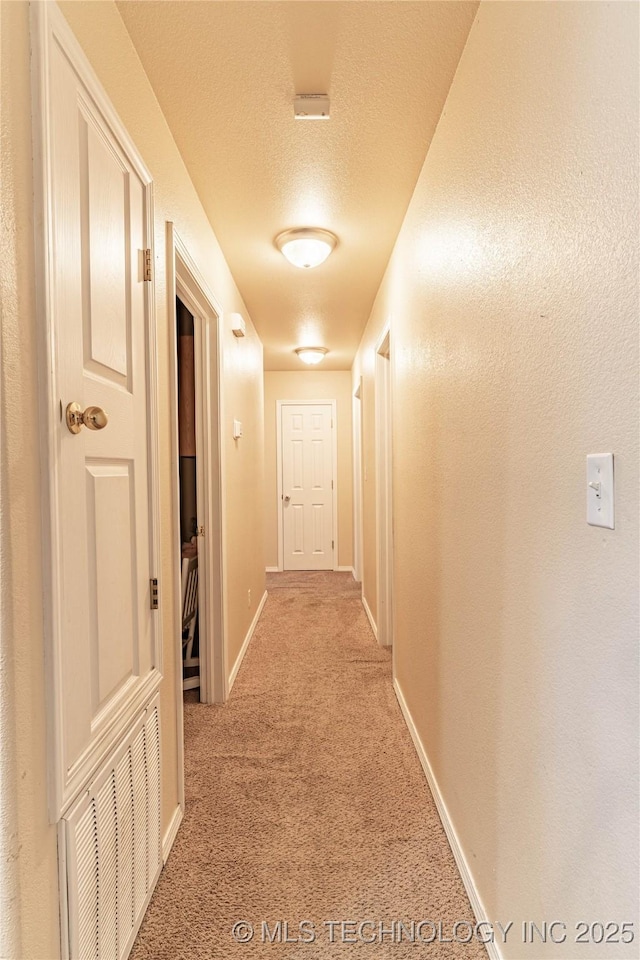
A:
[600,493]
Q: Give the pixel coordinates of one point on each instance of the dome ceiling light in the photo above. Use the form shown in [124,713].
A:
[311,354]
[306,247]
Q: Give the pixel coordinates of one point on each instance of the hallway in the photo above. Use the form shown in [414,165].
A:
[305,798]
[407,237]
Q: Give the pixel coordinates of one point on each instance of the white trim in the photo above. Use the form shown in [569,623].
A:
[49,27]
[184,280]
[63,891]
[357,482]
[462,863]
[338,569]
[369,616]
[171,832]
[384,502]
[93,757]
[334,468]
[176,547]
[334,433]
[10,837]
[247,641]
[279,485]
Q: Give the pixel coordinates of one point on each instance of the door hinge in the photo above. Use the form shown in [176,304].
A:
[147,264]
[332,484]
[333,546]
[153,583]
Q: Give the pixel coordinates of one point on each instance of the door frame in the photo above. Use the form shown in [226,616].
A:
[334,472]
[384,493]
[357,483]
[49,27]
[185,281]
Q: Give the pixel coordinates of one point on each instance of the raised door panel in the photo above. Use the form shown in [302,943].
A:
[112,626]
[106,261]
[319,542]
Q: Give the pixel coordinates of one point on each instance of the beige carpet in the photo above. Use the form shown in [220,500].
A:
[306,802]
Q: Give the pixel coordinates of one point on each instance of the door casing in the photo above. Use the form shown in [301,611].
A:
[185,281]
[384,497]
[357,484]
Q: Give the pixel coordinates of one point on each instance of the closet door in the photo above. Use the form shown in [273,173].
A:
[99,355]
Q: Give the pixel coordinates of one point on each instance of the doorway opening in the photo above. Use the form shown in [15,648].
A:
[187,469]
[197,485]
[384,503]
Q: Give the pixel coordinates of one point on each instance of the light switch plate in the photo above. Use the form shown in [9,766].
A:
[237,429]
[600,490]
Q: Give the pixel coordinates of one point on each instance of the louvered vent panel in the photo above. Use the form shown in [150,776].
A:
[140,818]
[152,738]
[124,801]
[112,840]
[107,869]
[86,840]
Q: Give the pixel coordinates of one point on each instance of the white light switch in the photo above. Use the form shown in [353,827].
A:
[237,429]
[600,490]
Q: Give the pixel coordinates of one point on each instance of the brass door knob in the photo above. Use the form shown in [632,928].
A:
[93,417]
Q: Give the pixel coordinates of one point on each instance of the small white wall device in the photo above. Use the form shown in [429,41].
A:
[600,511]
[238,326]
[311,106]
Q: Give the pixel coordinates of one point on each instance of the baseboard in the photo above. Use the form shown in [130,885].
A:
[272,569]
[461,861]
[346,570]
[370,616]
[245,645]
[171,834]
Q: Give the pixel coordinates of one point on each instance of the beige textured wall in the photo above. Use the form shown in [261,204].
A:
[310,385]
[101,32]
[513,295]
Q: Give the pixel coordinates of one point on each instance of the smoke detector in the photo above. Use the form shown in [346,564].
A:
[311,106]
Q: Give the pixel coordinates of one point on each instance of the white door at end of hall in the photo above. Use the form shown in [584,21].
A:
[307,486]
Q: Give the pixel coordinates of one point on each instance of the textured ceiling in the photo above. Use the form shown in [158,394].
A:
[225,74]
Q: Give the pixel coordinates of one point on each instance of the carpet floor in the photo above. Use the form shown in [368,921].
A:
[306,803]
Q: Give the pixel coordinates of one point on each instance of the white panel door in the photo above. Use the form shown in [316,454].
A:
[307,486]
[105,646]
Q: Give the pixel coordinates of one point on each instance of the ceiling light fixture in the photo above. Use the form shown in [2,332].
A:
[311,354]
[306,247]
